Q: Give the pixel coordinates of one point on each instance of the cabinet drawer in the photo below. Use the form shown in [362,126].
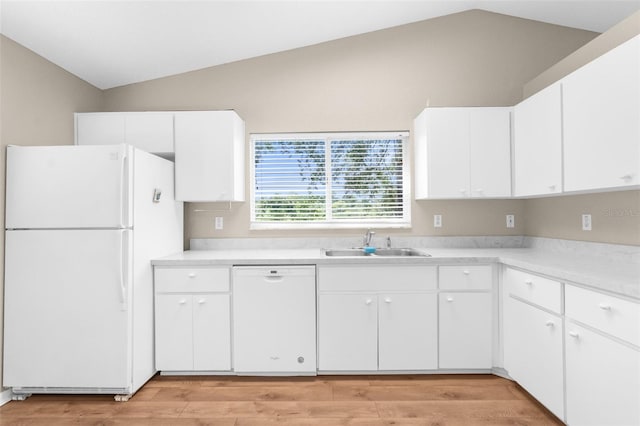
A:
[535,289]
[168,280]
[476,277]
[377,278]
[612,315]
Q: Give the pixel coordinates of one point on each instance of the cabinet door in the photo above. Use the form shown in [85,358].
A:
[408,332]
[211,332]
[209,156]
[348,332]
[100,128]
[174,332]
[538,143]
[603,379]
[533,352]
[601,112]
[465,330]
[490,152]
[447,138]
[150,131]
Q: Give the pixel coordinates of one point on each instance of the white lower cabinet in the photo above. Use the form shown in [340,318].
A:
[192,319]
[379,318]
[348,332]
[603,379]
[602,358]
[533,352]
[465,330]
[533,345]
[407,332]
[465,317]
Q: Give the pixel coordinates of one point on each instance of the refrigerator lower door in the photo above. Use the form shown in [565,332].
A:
[68,187]
[67,316]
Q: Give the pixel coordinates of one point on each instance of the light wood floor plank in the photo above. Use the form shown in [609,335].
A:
[411,400]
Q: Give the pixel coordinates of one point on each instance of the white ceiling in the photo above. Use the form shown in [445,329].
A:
[111,43]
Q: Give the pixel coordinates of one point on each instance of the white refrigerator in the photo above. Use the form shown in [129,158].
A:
[82,224]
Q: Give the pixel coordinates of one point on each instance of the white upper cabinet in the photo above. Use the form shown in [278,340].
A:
[209,147]
[149,131]
[538,144]
[601,113]
[463,153]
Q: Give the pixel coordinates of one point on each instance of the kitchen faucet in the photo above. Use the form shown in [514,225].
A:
[368,237]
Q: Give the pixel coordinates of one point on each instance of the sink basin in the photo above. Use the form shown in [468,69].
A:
[381,252]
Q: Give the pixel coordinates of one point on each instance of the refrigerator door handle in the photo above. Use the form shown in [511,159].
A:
[123,278]
[123,182]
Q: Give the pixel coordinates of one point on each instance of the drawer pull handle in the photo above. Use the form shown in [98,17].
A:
[604,307]
[449,299]
[528,282]
[387,300]
[192,275]
[466,272]
[550,324]
[574,334]
[182,301]
[201,301]
[368,302]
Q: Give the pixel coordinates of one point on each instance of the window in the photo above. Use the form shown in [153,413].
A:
[329,180]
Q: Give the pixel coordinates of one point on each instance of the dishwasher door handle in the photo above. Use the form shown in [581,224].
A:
[273,278]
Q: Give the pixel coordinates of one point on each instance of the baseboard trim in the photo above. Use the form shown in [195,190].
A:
[5,396]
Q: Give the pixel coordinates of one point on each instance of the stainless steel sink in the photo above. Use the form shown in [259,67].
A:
[381,252]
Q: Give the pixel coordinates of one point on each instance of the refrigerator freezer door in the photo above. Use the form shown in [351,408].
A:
[68,187]
[67,313]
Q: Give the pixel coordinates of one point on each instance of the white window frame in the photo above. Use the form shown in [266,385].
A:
[404,222]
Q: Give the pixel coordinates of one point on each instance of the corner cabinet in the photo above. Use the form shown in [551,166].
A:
[533,336]
[382,318]
[463,153]
[192,319]
[209,154]
[537,149]
[601,118]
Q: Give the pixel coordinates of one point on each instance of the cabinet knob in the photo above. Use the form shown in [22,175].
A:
[550,324]
[626,177]
[463,191]
[182,301]
[192,274]
[368,301]
[201,301]
[528,282]
[480,190]
[387,300]
[552,187]
[449,299]
[466,272]
[574,334]
[604,307]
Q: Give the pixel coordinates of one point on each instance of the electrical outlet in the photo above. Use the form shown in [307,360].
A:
[586,222]
[219,223]
[511,221]
[437,221]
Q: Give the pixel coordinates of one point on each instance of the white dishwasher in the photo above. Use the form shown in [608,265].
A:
[274,320]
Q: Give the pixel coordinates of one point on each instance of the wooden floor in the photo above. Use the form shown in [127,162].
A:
[323,400]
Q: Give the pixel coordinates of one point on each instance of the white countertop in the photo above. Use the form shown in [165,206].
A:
[621,278]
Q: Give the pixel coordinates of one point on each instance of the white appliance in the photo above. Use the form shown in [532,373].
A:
[274,313]
[82,223]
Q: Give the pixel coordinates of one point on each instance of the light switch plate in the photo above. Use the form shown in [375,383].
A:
[586,222]
[219,223]
[437,221]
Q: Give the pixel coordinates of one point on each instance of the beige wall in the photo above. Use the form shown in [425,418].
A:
[37,102]
[615,217]
[375,81]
